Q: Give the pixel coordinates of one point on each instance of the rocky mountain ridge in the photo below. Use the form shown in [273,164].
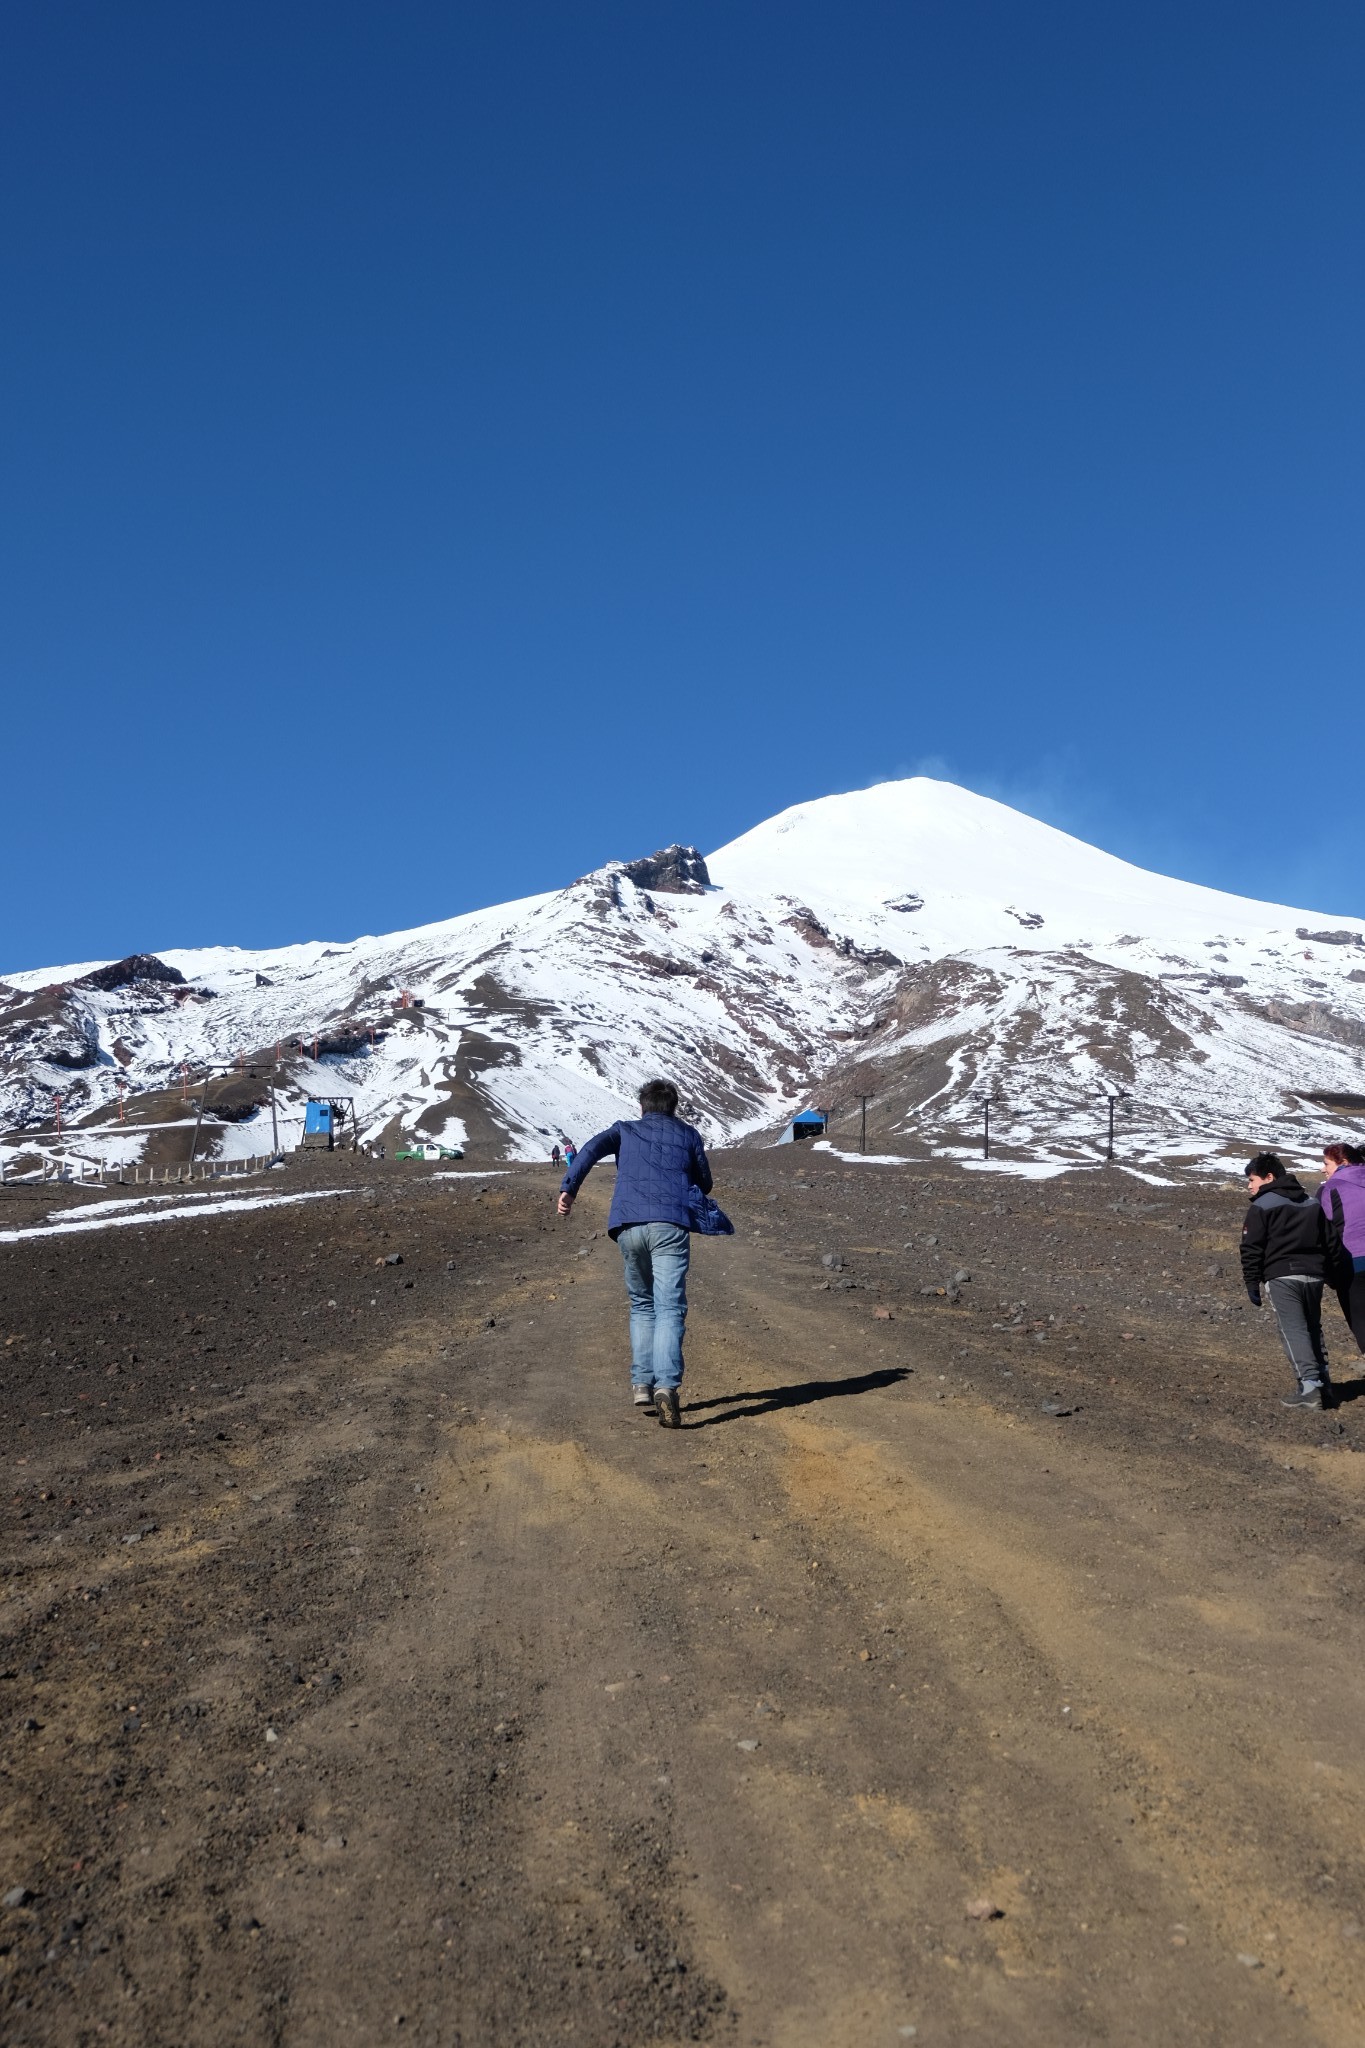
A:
[912,942]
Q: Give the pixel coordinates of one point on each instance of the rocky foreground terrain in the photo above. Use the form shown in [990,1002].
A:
[979,1664]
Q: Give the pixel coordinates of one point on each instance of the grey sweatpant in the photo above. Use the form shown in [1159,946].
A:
[1297,1302]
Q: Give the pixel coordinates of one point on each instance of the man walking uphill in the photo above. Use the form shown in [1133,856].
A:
[1284,1244]
[663,1183]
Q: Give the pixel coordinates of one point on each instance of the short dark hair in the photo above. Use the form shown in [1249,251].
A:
[659,1098]
[1265,1166]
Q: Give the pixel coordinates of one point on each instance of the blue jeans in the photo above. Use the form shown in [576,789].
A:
[656,1256]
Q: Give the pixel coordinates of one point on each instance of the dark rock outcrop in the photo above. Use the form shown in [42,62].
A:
[1317,1019]
[674,871]
[123,973]
[78,1046]
[808,926]
[344,1044]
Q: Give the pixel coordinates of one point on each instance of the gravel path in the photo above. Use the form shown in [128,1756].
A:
[976,1666]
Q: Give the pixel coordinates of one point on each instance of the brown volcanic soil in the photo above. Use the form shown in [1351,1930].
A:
[589,1732]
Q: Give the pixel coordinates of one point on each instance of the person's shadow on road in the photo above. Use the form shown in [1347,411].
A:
[766,1401]
[1347,1390]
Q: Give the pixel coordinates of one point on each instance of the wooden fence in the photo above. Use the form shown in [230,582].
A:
[99,1173]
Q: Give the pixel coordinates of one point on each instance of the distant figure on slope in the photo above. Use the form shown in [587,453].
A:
[570,1152]
[663,1182]
[554,1156]
[1284,1244]
[1342,1196]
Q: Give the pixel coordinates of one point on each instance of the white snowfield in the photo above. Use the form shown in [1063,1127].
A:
[912,939]
[979,867]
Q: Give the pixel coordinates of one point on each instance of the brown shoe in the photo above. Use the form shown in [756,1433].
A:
[666,1401]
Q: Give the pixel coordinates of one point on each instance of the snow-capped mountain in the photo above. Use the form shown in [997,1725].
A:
[912,940]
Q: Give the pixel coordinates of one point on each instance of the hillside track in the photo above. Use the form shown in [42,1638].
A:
[440,1695]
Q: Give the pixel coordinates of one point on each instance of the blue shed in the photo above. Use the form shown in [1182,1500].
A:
[324,1123]
[808,1123]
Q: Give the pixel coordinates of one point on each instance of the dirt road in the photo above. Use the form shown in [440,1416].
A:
[371,1669]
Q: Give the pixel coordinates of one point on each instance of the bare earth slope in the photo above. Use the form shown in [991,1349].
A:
[440,1694]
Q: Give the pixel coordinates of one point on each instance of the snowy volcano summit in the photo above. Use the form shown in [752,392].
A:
[972,858]
[912,941]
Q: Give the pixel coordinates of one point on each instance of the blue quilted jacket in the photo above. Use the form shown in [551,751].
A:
[658,1159]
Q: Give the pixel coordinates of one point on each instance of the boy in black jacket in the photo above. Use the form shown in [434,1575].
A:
[1284,1244]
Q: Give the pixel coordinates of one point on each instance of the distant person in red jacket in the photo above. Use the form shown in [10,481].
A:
[570,1152]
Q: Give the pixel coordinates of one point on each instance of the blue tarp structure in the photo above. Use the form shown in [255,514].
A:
[809,1123]
[324,1123]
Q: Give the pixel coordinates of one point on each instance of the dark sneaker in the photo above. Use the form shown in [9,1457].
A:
[643,1397]
[666,1401]
[1307,1397]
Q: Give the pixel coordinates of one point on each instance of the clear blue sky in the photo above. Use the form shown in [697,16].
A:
[446,446]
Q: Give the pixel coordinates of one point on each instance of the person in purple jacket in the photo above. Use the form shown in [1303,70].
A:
[1342,1195]
[663,1180]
